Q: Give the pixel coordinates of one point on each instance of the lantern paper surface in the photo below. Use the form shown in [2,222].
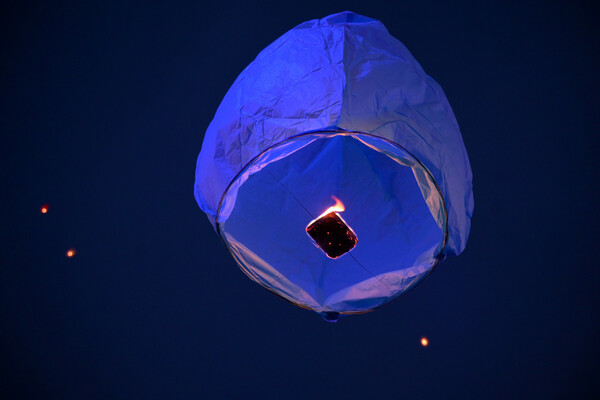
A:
[336,109]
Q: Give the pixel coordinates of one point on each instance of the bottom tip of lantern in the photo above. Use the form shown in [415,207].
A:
[330,316]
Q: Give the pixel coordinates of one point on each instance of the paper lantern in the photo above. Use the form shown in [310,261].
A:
[334,169]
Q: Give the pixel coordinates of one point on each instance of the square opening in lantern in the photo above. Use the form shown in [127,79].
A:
[331,233]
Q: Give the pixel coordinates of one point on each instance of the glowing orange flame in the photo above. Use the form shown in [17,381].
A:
[71,253]
[337,207]
[424,342]
[44,209]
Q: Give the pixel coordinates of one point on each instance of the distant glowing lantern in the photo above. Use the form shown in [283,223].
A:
[44,208]
[336,110]
[424,342]
[71,253]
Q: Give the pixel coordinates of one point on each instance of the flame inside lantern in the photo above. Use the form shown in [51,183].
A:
[337,207]
[331,233]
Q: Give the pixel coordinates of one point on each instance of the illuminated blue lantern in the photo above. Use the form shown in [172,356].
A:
[334,169]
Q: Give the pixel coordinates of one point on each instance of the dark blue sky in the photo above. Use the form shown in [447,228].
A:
[103,109]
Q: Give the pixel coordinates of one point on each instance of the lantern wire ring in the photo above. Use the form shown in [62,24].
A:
[440,256]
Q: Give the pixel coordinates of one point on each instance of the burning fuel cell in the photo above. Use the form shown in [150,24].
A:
[331,233]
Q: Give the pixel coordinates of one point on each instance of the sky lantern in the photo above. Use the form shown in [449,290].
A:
[334,170]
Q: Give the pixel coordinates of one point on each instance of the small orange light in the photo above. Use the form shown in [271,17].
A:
[424,342]
[71,253]
[44,209]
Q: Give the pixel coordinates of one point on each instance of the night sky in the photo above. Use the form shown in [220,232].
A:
[103,110]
